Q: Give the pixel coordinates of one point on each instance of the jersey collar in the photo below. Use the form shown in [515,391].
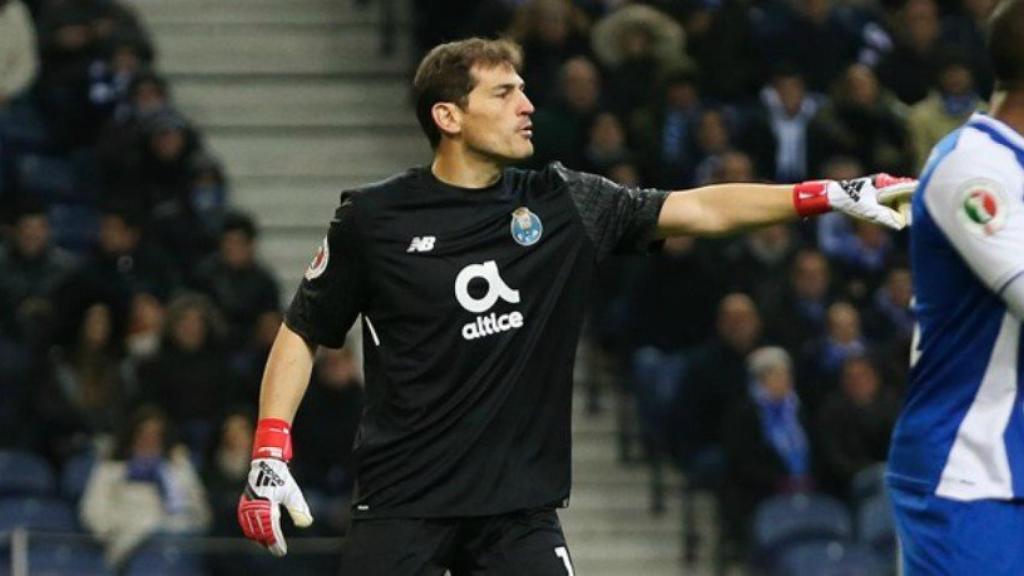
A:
[989,124]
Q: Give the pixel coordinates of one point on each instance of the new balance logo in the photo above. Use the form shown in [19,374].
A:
[422,244]
[267,477]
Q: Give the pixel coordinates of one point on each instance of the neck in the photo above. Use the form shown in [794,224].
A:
[456,166]
[1007,106]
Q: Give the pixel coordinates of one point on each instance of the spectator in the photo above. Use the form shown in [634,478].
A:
[863,122]
[912,67]
[249,357]
[227,468]
[121,141]
[550,32]
[777,135]
[122,266]
[721,40]
[860,252]
[889,325]
[145,326]
[606,144]
[963,31]
[18,61]
[326,429]
[767,448]
[823,48]
[759,262]
[673,295]
[823,358]
[945,109]
[665,131]
[712,139]
[889,315]
[855,424]
[87,395]
[326,435]
[240,286]
[635,44]
[31,270]
[799,315]
[208,193]
[189,377]
[560,125]
[111,76]
[718,374]
[72,35]
[731,166]
[147,486]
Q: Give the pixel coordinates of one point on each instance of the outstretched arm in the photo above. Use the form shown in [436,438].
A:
[729,208]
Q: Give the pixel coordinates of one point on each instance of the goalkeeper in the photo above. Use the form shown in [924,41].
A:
[471,278]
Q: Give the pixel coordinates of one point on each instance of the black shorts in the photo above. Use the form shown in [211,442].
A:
[526,543]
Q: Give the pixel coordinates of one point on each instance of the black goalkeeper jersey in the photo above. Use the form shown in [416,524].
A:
[472,304]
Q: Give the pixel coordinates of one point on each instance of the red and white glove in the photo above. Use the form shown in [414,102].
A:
[271,485]
[870,198]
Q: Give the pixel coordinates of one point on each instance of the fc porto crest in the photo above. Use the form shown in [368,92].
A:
[526,227]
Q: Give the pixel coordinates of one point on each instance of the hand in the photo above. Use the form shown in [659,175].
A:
[271,485]
[868,198]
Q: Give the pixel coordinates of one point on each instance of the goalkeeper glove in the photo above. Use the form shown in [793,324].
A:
[868,198]
[270,485]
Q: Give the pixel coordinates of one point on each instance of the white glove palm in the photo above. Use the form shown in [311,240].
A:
[269,487]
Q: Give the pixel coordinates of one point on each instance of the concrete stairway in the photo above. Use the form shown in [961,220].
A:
[296,99]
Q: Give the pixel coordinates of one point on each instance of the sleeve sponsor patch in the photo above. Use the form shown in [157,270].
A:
[982,207]
[319,262]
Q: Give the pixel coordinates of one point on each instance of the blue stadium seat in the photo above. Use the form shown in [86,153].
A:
[24,473]
[46,514]
[75,475]
[165,557]
[55,558]
[828,558]
[790,519]
[876,526]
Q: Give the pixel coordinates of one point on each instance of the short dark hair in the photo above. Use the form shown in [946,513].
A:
[1006,44]
[235,221]
[444,75]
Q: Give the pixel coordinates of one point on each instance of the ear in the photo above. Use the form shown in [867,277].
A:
[448,118]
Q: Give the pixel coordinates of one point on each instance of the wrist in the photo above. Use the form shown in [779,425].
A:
[273,439]
[811,198]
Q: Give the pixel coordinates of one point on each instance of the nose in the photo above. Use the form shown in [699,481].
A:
[526,107]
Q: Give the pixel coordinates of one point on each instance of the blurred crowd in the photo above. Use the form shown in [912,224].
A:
[135,317]
[774,362]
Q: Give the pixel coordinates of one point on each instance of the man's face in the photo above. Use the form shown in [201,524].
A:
[32,235]
[496,119]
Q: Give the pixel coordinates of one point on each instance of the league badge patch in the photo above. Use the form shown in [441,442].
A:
[983,207]
[319,263]
[526,227]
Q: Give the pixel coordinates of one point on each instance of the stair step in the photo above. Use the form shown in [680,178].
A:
[288,12]
[282,103]
[320,155]
[287,51]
